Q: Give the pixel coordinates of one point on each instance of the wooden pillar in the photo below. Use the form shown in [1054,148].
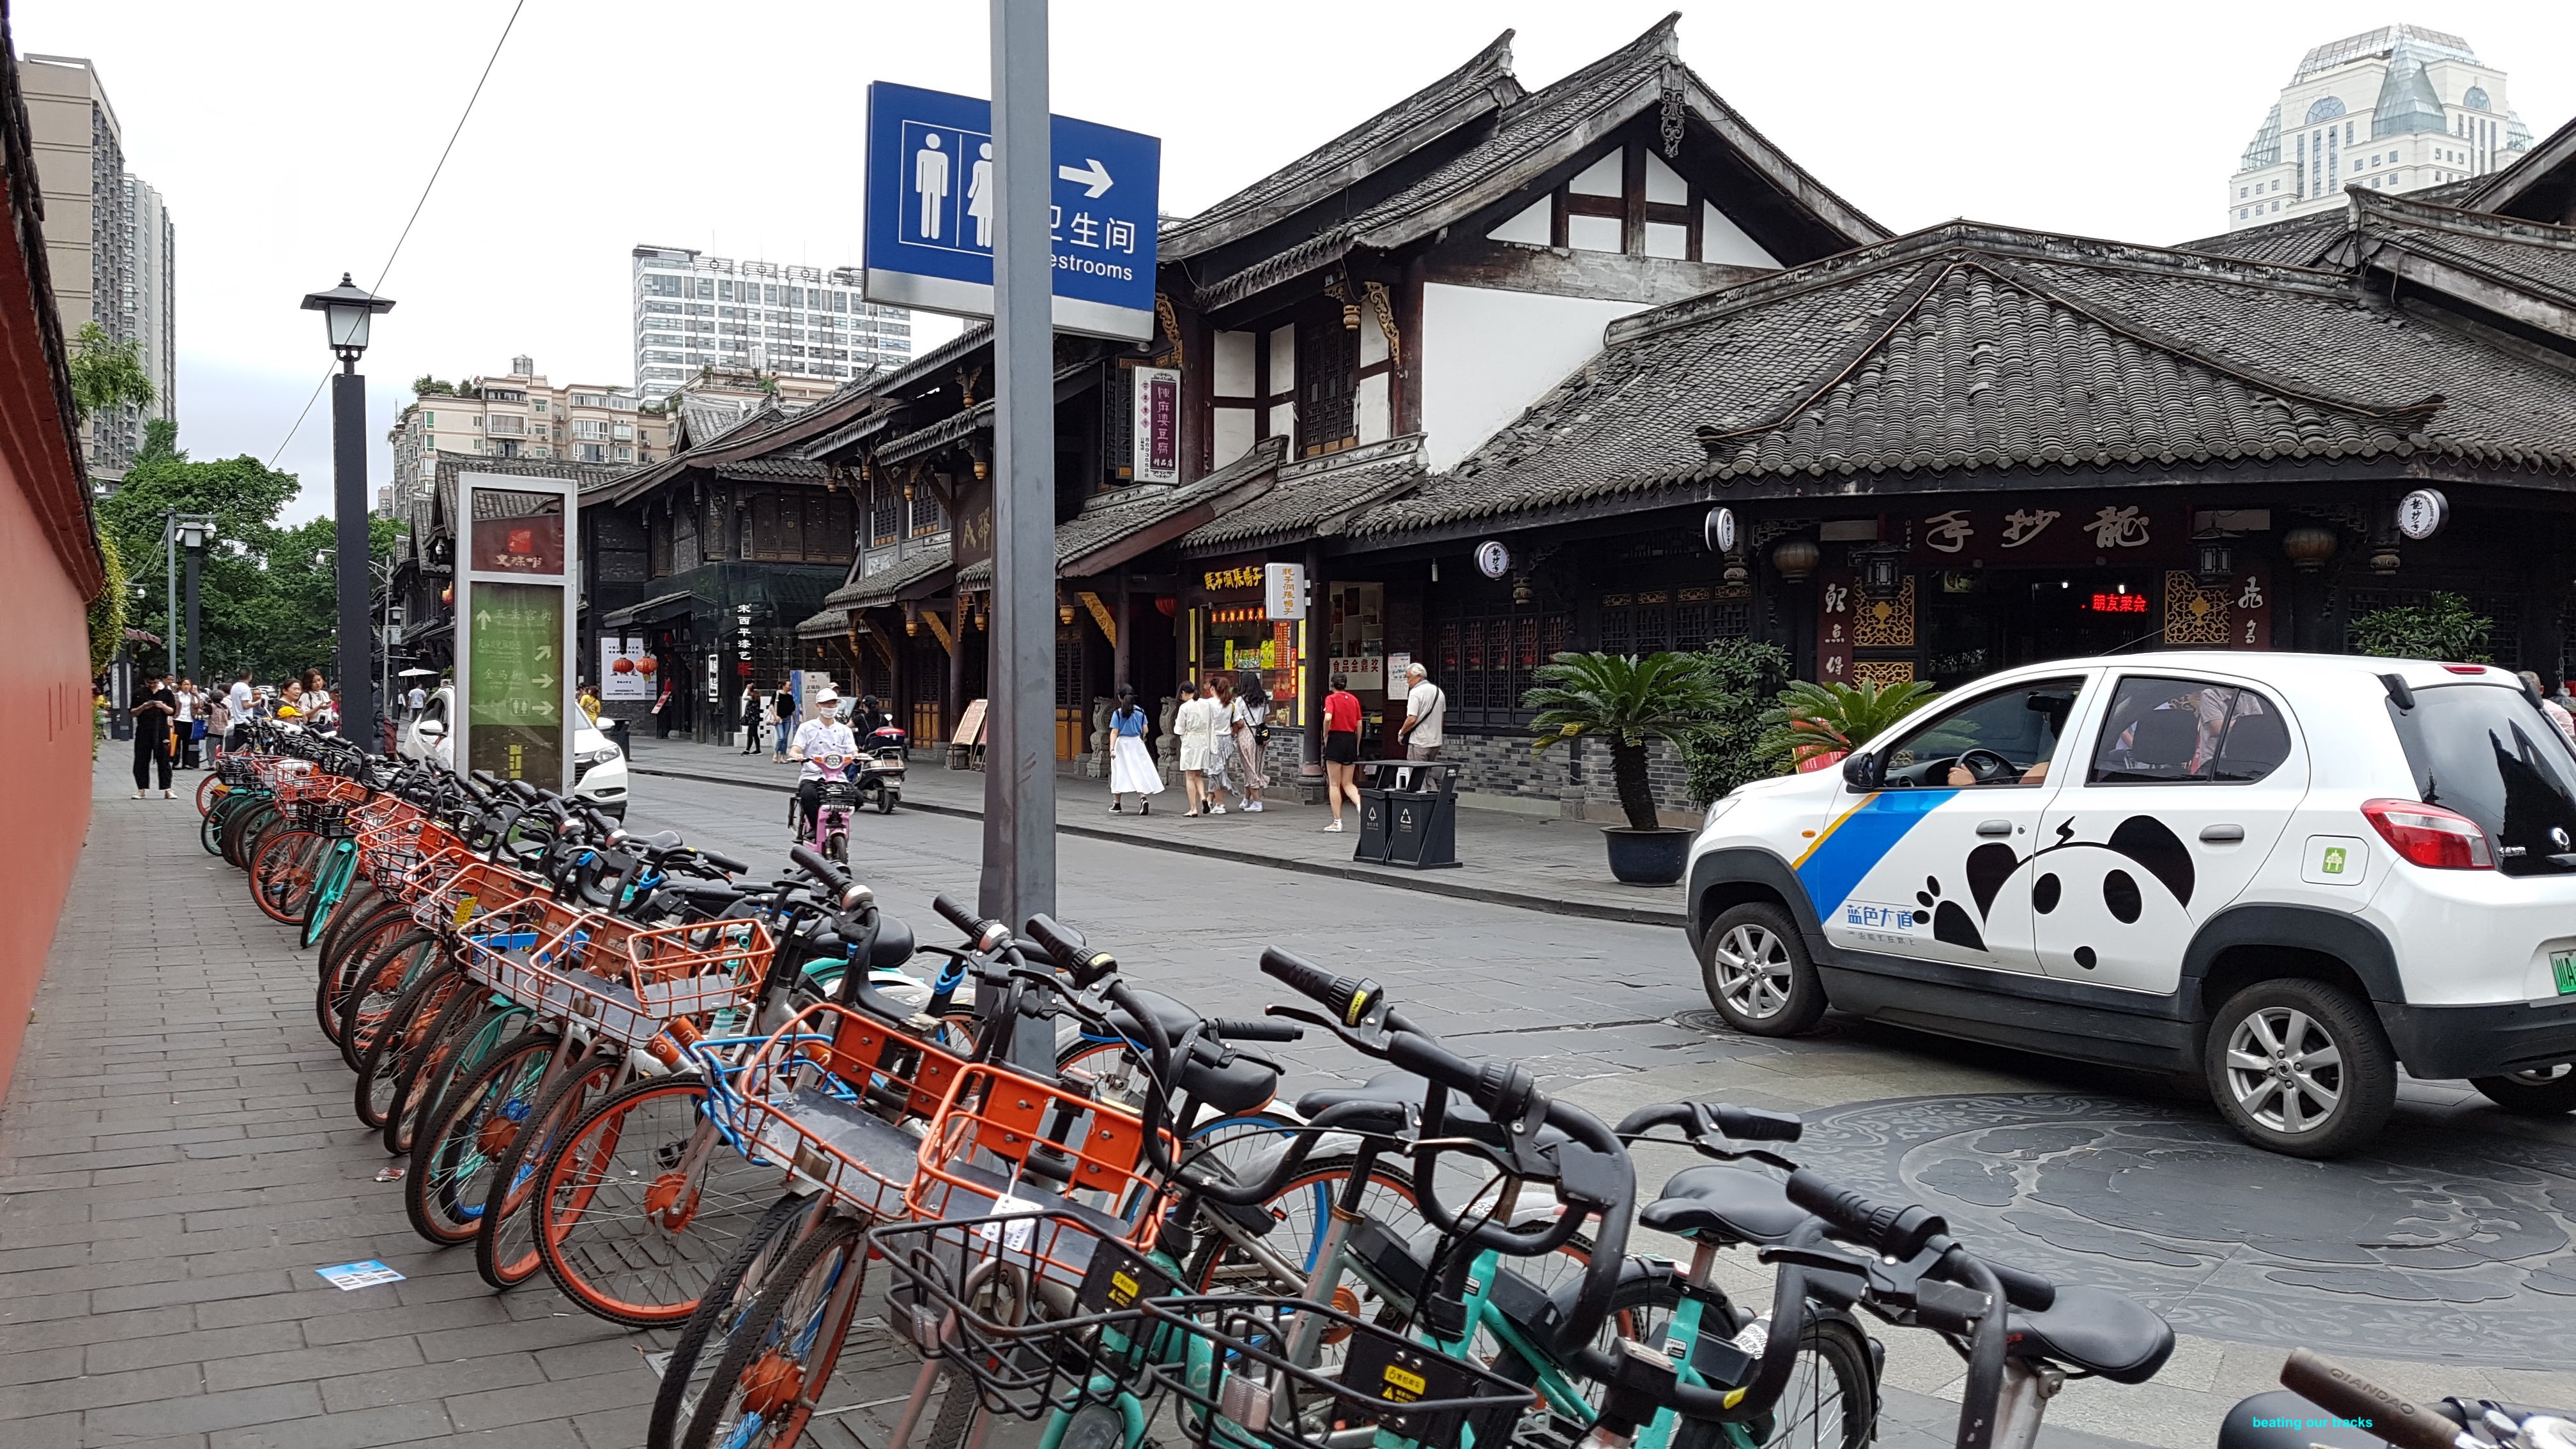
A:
[1408,388]
[1319,667]
[1126,631]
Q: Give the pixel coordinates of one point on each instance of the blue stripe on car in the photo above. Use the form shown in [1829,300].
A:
[1855,844]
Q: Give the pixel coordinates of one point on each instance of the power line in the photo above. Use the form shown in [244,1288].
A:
[434,172]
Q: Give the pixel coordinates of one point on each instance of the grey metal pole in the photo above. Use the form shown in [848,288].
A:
[349,499]
[195,557]
[170,586]
[1019,766]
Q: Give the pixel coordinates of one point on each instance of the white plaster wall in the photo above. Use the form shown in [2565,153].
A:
[1234,364]
[1376,408]
[1530,226]
[1485,355]
[1283,379]
[1233,434]
[1721,240]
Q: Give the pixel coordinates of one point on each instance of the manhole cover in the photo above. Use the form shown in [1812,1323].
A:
[1703,1021]
[2437,1244]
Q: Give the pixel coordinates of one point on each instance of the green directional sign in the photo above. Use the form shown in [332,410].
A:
[515,681]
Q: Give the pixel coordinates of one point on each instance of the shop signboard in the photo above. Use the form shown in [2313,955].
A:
[515,671]
[1283,590]
[2055,533]
[1158,425]
[622,671]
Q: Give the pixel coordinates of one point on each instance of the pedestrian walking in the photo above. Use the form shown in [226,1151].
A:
[417,701]
[748,711]
[184,725]
[1131,764]
[1249,721]
[1195,722]
[1426,707]
[153,713]
[2557,713]
[782,713]
[1341,748]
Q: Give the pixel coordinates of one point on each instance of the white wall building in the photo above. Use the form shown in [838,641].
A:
[2399,108]
[694,311]
[519,415]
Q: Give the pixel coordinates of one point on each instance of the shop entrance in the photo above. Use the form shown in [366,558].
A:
[2028,616]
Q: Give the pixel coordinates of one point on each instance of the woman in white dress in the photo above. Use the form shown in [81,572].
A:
[1131,764]
[1196,723]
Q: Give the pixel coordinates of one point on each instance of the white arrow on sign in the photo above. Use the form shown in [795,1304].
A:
[541,681]
[545,651]
[1095,180]
[483,619]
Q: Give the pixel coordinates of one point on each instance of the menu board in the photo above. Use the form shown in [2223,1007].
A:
[514,679]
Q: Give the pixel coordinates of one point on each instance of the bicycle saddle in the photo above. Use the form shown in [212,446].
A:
[2092,1328]
[1395,1091]
[1728,1204]
[660,842]
[1237,1086]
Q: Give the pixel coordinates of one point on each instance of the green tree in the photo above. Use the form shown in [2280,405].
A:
[106,372]
[1821,719]
[1724,751]
[425,385]
[107,610]
[1626,701]
[160,441]
[2443,627]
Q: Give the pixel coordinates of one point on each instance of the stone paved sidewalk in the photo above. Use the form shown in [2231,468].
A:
[177,1157]
[1535,862]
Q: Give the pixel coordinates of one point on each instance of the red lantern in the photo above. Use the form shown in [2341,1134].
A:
[647,665]
[1166,605]
[622,665]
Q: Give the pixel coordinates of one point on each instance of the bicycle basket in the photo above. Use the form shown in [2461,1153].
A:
[835,1117]
[474,890]
[325,818]
[1237,1389]
[975,1292]
[1003,1134]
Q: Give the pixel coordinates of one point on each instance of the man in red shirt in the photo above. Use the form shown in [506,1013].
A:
[1341,748]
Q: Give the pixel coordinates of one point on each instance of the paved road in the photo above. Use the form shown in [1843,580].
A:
[176,1158]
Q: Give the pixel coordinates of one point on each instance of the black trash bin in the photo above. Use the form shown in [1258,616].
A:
[615,729]
[1409,814]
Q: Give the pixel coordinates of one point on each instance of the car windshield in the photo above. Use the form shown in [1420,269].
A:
[2490,754]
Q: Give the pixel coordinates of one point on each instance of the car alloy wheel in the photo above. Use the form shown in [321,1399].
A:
[1751,966]
[2285,1069]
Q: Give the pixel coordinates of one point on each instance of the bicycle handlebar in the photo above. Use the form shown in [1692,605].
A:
[1904,1232]
[1346,997]
[1745,1124]
[2347,1395]
[1069,952]
[1232,1029]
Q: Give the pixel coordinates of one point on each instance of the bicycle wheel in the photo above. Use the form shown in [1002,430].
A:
[209,790]
[642,1204]
[357,902]
[210,834]
[378,986]
[406,1030]
[721,1312]
[345,955]
[331,886]
[466,1035]
[283,873]
[505,1248]
[452,1159]
[264,822]
[777,1366]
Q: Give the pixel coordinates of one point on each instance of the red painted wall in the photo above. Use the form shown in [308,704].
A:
[44,750]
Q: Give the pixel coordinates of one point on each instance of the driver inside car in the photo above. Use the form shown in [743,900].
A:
[2047,710]
[1962,777]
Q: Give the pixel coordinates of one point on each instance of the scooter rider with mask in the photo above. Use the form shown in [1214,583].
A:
[821,735]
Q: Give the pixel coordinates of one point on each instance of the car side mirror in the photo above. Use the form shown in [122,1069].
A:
[433,729]
[1863,772]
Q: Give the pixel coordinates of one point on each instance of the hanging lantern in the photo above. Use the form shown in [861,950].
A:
[1350,317]
[1064,615]
[1882,570]
[1796,558]
[2213,556]
[2309,547]
[1166,605]
[1737,575]
[2384,559]
[1521,593]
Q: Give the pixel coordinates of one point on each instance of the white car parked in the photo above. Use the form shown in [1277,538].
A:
[2287,873]
[599,767]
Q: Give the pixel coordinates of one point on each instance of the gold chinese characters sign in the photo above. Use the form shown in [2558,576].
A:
[1247,577]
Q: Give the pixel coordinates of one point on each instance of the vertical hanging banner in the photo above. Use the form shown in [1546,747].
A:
[1283,590]
[933,205]
[1158,425]
[514,607]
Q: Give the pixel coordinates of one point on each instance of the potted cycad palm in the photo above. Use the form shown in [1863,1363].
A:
[1624,701]
[1815,725]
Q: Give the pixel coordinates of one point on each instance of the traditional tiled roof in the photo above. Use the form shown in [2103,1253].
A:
[887,585]
[2308,241]
[1478,88]
[1115,518]
[1526,139]
[2529,257]
[1312,496]
[1968,349]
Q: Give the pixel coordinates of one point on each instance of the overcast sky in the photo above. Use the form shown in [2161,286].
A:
[291,139]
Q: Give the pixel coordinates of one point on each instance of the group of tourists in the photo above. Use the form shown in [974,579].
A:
[1222,728]
[178,725]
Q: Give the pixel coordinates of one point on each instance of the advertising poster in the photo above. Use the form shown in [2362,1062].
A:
[624,673]
[517,682]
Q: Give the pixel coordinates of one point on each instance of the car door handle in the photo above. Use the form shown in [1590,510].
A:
[2222,834]
[1994,827]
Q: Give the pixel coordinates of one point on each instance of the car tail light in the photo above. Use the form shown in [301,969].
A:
[2429,835]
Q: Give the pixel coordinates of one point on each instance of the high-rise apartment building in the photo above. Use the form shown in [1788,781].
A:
[109,243]
[2399,108]
[519,415]
[694,312]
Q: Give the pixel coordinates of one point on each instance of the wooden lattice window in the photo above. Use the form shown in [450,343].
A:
[885,514]
[1328,385]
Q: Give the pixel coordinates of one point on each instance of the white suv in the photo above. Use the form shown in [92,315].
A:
[599,767]
[2288,873]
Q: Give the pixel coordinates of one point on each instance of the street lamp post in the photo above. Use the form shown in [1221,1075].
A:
[193,531]
[350,309]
